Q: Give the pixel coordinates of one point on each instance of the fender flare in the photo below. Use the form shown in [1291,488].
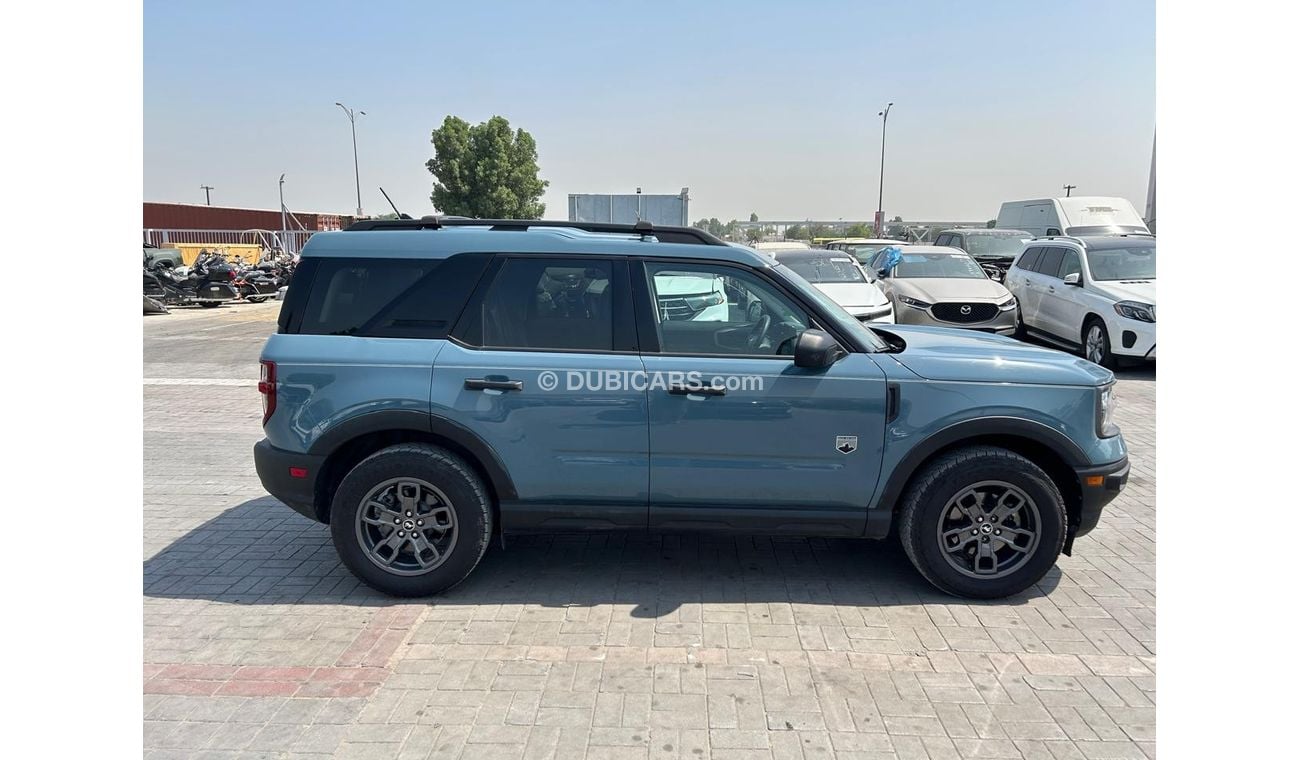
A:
[421,422]
[1054,440]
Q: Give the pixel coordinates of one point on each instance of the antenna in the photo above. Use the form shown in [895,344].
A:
[400,215]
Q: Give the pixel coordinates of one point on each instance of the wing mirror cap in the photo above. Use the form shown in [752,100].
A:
[1074,279]
[816,349]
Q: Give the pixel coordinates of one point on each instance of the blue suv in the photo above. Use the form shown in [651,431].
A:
[439,381]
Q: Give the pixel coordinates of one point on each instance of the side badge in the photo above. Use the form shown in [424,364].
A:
[846,444]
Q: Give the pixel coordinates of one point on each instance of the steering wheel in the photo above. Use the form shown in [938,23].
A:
[759,331]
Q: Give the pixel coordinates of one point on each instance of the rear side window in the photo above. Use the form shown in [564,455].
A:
[551,304]
[1050,263]
[389,298]
[1029,259]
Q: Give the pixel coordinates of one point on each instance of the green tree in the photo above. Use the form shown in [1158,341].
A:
[754,234]
[753,216]
[859,230]
[485,170]
[795,232]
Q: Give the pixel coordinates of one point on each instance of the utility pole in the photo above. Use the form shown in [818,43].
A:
[207,192]
[352,117]
[880,205]
[1067,189]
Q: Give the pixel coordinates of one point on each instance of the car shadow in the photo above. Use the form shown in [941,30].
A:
[260,552]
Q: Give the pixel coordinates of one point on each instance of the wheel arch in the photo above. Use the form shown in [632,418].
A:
[1056,454]
[357,438]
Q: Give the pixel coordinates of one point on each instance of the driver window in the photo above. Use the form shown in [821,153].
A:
[705,309]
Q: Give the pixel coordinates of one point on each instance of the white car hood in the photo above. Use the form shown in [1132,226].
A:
[848,294]
[1143,291]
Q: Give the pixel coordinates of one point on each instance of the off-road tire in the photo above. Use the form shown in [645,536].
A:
[449,473]
[939,481]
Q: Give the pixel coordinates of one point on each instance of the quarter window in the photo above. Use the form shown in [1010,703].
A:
[1029,259]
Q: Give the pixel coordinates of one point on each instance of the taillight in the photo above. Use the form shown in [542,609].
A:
[266,387]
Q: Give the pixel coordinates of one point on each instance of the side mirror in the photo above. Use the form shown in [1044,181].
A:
[882,274]
[815,349]
[1073,279]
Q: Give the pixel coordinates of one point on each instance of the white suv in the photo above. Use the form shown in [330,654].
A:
[1096,295]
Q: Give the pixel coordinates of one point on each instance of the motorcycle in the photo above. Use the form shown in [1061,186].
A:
[207,283]
[259,283]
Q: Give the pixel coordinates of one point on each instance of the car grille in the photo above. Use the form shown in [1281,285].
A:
[676,309]
[964,313]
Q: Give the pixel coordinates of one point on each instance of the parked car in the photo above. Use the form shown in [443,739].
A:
[1096,295]
[1078,215]
[863,249]
[169,257]
[841,277]
[994,249]
[426,390]
[945,287]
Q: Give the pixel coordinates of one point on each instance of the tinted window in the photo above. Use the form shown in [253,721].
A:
[993,245]
[1050,262]
[1069,264]
[347,294]
[543,304]
[709,309]
[1029,259]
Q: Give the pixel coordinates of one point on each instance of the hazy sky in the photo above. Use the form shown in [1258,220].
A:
[756,106]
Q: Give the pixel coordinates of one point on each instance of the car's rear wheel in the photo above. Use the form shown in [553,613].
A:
[411,520]
[1096,344]
[982,522]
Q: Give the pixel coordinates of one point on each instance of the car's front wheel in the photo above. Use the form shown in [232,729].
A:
[982,522]
[411,520]
[1096,344]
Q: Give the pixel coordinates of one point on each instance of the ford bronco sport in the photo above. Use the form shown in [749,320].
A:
[435,382]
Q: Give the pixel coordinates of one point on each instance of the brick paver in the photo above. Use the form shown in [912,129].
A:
[258,644]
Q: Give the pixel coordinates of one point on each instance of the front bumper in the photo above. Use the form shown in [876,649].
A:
[288,476]
[1098,486]
[1131,338]
[1002,323]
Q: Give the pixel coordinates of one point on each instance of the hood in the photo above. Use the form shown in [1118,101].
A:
[937,289]
[1127,290]
[853,293]
[941,353]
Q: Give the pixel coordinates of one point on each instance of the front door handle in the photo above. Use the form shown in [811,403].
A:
[484,384]
[1051,288]
[696,390]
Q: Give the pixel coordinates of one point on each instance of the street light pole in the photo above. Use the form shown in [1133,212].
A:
[284,222]
[880,204]
[352,118]
[1067,189]
[207,192]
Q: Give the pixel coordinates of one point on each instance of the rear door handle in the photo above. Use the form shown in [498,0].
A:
[696,390]
[484,384]
[1051,288]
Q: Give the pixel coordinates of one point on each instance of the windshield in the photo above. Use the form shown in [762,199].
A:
[834,311]
[993,245]
[863,253]
[1133,263]
[957,265]
[823,268]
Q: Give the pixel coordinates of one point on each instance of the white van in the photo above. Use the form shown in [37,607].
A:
[1079,215]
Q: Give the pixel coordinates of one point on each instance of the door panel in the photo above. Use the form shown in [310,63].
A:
[577,452]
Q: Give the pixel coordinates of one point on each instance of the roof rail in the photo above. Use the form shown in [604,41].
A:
[688,235]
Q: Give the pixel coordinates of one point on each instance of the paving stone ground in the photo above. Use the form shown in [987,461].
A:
[258,644]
